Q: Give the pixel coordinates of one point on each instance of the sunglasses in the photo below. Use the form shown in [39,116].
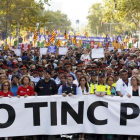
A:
[5,85]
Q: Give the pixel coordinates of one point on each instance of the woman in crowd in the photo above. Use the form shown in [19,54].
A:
[14,84]
[83,86]
[84,89]
[25,90]
[6,89]
[134,90]
[110,81]
[32,84]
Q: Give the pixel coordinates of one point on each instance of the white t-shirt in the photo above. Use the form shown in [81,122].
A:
[122,87]
[86,58]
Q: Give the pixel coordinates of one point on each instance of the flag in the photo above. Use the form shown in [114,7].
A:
[35,35]
[41,30]
[48,43]
[77,33]
[86,34]
[104,35]
[127,38]
[65,35]
[47,32]
[58,43]
[71,32]
[54,33]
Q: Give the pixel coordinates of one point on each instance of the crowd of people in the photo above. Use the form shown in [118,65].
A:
[76,73]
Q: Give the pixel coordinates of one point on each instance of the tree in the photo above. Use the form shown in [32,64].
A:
[125,12]
[95,18]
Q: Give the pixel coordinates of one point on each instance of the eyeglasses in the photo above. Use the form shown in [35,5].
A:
[5,85]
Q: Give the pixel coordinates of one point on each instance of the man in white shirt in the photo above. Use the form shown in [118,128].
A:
[123,83]
[79,74]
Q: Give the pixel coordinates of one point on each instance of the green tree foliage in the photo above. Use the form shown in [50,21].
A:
[95,18]
[125,12]
[26,13]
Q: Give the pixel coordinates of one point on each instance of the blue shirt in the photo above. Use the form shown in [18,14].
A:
[77,90]
[14,90]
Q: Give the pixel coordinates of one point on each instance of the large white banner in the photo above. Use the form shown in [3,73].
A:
[63,115]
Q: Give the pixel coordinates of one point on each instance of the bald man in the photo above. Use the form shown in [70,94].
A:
[135,72]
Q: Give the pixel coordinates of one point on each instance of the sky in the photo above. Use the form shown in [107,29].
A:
[75,9]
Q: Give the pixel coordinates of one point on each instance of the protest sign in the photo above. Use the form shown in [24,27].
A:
[43,51]
[111,48]
[17,51]
[98,53]
[63,50]
[52,49]
[67,115]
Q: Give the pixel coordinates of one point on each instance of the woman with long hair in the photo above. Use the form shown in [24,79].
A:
[83,86]
[25,90]
[84,89]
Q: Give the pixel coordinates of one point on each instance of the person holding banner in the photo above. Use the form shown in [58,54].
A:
[100,89]
[69,88]
[134,89]
[5,89]
[83,86]
[25,90]
[123,83]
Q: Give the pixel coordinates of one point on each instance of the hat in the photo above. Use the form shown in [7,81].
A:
[4,67]
[117,68]
[1,59]
[47,71]
[95,68]
[19,59]
[40,69]
[67,64]
[89,68]
[23,67]
[35,71]
[116,73]
[79,64]
[94,73]
[15,66]
[102,66]
[60,71]
[101,75]
[9,72]
[71,76]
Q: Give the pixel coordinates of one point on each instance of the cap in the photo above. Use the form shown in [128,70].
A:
[4,67]
[116,73]
[101,75]
[79,64]
[35,71]
[47,71]
[117,68]
[15,66]
[69,75]
[40,69]
[94,73]
[60,71]
[9,72]
[52,55]
[23,67]
[89,68]
[102,66]
[67,64]
[19,59]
